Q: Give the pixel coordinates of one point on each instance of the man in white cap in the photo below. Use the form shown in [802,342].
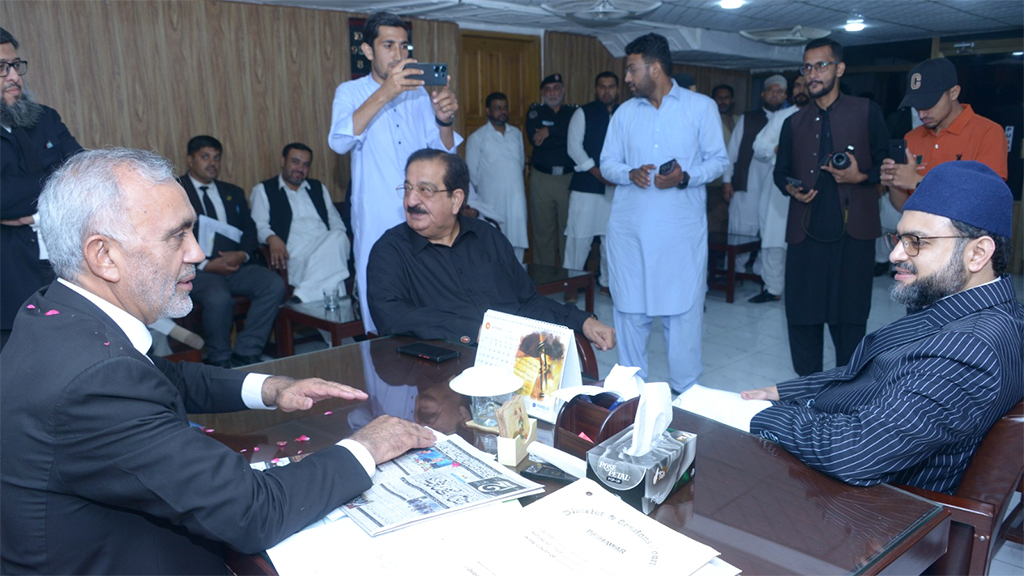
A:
[742,179]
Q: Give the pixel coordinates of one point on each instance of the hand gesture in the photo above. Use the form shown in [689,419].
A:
[444,102]
[641,176]
[290,395]
[387,437]
[278,253]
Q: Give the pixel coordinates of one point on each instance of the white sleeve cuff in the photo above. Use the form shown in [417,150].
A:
[361,454]
[252,392]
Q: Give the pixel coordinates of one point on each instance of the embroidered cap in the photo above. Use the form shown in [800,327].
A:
[927,81]
[967,191]
[775,79]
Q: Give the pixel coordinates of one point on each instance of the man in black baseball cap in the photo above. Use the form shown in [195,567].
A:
[949,131]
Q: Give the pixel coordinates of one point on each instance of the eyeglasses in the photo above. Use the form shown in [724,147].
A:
[425,191]
[21,66]
[911,242]
[819,66]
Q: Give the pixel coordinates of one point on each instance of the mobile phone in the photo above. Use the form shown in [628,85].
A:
[898,151]
[796,183]
[546,472]
[667,167]
[434,74]
[429,352]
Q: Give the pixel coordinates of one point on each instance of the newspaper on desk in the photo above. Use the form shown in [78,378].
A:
[449,476]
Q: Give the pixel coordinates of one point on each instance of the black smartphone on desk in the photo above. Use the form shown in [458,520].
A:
[434,74]
[429,352]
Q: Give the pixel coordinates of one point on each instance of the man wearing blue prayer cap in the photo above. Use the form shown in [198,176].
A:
[919,394]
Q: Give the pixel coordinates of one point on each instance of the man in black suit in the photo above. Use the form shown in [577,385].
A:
[232,267]
[100,470]
[33,142]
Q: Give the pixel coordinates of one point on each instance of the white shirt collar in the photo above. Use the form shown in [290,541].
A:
[281,184]
[196,183]
[136,331]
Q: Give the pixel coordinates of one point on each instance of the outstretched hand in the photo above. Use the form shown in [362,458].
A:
[290,395]
[387,437]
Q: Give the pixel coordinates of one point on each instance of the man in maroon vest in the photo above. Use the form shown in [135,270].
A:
[833,210]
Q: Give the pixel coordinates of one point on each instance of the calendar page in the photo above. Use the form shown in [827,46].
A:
[540,354]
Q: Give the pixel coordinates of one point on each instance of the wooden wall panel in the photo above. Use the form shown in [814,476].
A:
[708,77]
[579,59]
[153,73]
[439,42]
[492,62]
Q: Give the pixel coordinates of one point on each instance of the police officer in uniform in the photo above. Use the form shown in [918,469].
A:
[547,127]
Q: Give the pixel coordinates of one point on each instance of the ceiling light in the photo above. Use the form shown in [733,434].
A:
[731,4]
[854,25]
[1018,53]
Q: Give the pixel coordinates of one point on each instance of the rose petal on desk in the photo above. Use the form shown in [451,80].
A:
[302,438]
[300,452]
[244,450]
[31,306]
[52,312]
[328,413]
[282,443]
[255,448]
[208,430]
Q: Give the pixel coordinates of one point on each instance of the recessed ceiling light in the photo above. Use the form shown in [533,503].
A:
[1018,53]
[731,4]
[854,25]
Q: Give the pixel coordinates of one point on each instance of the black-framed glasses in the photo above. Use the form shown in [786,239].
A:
[20,66]
[819,66]
[425,191]
[911,242]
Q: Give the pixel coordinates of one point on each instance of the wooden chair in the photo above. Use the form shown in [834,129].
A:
[979,505]
[588,360]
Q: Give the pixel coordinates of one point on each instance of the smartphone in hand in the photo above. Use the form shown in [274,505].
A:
[898,151]
[667,167]
[434,74]
[794,182]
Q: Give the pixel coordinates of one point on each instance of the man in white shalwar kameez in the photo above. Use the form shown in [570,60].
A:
[496,160]
[310,240]
[657,233]
[742,191]
[382,118]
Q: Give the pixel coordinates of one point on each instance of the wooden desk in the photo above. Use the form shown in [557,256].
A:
[765,511]
[551,280]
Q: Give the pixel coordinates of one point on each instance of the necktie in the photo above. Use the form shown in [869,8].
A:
[211,210]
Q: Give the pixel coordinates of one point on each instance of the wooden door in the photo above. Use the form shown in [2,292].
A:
[494,62]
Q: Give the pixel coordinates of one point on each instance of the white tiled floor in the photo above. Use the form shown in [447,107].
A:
[746,346]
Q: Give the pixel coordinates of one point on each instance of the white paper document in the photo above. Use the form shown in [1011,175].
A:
[729,408]
[209,228]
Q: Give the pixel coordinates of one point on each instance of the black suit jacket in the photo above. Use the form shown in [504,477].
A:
[238,215]
[23,273]
[101,472]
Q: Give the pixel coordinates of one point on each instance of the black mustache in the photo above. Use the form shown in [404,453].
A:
[416,210]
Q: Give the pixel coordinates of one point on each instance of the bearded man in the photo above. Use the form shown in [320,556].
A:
[33,143]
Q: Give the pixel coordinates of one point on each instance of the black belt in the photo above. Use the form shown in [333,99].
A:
[548,169]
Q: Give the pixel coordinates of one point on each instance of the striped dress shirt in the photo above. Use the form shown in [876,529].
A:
[915,400]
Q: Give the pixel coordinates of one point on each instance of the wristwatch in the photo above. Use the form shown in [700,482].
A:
[686,181]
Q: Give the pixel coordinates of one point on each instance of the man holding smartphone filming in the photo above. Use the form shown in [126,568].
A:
[662,147]
[382,118]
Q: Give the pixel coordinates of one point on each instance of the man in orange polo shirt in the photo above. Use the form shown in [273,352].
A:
[950,131]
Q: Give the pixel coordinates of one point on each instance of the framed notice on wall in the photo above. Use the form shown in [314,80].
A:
[360,64]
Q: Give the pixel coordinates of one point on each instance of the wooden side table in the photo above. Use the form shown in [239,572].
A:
[731,244]
[340,323]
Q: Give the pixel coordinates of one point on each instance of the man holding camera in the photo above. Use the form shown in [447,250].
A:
[382,118]
[829,161]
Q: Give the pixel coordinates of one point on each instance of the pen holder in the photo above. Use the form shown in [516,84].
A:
[511,451]
[597,417]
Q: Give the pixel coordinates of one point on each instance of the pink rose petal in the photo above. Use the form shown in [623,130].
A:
[282,443]
[300,451]
[52,312]
[106,343]
[255,448]
[275,460]
[244,450]
[31,306]
[208,430]
[328,413]
[302,438]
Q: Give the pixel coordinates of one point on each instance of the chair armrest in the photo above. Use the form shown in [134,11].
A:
[981,515]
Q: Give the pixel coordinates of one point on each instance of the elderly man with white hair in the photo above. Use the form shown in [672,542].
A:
[741,181]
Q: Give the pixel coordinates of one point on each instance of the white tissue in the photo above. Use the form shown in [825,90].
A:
[623,381]
[653,416]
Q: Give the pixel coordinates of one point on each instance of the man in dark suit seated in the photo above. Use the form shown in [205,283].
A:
[435,275]
[100,470]
[233,267]
[919,394]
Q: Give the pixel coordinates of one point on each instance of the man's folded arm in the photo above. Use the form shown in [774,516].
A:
[133,450]
[935,403]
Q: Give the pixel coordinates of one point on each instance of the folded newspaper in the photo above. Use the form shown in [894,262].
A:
[449,476]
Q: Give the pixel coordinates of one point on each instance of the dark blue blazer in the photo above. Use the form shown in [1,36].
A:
[915,400]
[23,273]
[101,472]
[238,215]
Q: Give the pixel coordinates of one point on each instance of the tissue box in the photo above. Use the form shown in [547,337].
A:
[643,481]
